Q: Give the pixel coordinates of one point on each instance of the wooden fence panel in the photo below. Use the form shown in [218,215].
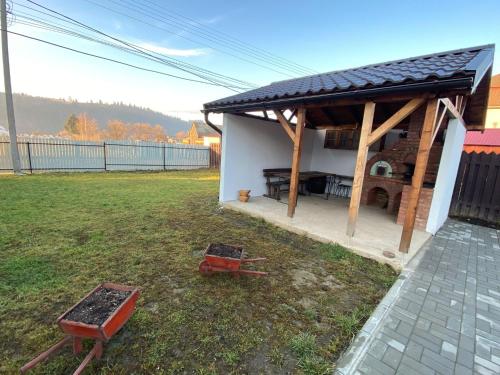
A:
[215,155]
[477,189]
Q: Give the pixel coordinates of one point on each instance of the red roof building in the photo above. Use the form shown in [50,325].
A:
[483,141]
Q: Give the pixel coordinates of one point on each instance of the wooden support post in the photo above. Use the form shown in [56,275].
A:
[297,150]
[359,173]
[285,124]
[418,176]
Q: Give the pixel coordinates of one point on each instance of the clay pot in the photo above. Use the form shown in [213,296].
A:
[244,193]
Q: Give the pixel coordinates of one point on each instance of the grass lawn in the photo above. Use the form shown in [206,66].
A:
[62,234]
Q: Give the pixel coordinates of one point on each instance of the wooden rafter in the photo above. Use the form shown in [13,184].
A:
[297,150]
[424,148]
[328,115]
[394,120]
[338,127]
[355,114]
[359,173]
[464,104]
[285,124]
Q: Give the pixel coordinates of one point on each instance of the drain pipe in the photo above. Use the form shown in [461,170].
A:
[209,123]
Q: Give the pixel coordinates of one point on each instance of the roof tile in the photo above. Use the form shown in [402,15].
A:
[417,69]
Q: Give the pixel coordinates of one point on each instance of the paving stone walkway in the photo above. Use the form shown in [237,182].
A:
[446,320]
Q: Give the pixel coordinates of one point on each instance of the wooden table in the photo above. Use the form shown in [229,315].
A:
[335,179]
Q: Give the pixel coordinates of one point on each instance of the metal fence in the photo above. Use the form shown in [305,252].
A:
[42,154]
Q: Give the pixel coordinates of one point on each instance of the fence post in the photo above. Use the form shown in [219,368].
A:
[29,157]
[164,162]
[105,162]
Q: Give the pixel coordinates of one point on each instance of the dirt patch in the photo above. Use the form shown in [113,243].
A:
[330,282]
[302,278]
[97,307]
[307,302]
[226,251]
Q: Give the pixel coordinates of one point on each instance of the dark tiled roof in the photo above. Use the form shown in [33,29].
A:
[439,66]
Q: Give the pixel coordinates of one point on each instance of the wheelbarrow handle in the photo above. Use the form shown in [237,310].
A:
[251,260]
[250,272]
[52,350]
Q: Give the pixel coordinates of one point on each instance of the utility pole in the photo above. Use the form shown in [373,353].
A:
[14,152]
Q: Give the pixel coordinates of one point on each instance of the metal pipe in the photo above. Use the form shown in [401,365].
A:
[209,123]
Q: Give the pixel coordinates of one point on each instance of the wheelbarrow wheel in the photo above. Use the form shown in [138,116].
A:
[205,268]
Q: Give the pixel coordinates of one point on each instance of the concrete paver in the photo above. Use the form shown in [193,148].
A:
[446,317]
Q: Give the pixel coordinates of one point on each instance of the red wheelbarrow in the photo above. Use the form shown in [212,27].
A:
[227,258]
[113,303]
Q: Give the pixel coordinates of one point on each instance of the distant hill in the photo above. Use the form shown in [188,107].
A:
[46,115]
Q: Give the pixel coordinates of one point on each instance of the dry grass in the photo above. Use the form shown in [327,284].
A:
[61,234]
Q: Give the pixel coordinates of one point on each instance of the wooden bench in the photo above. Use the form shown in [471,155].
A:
[276,184]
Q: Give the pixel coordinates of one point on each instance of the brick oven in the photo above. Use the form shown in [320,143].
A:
[388,174]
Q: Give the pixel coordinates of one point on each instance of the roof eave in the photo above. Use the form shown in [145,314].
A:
[480,65]
[463,84]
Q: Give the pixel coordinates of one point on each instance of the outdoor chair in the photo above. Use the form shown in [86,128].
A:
[343,190]
[332,183]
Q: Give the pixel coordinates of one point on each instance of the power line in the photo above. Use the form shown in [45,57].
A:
[207,34]
[189,39]
[41,23]
[110,59]
[231,38]
[128,44]
[69,20]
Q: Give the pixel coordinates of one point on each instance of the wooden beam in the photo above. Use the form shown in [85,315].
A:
[454,112]
[285,124]
[355,114]
[359,173]
[464,105]
[265,114]
[294,112]
[297,150]
[255,117]
[394,120]
[337,127]
[328,115]
[424,149]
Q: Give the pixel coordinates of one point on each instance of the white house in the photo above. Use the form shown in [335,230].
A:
[386,138]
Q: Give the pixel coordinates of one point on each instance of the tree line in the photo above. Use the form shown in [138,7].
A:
[82,127]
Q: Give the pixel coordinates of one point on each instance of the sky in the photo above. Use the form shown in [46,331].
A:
[318,35]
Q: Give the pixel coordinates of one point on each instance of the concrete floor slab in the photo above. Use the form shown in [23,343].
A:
[326,221]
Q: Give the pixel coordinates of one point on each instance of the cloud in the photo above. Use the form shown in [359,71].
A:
[188,52]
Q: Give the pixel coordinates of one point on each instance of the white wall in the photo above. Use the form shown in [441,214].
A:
[334,161]
[251,145]
[447,174]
